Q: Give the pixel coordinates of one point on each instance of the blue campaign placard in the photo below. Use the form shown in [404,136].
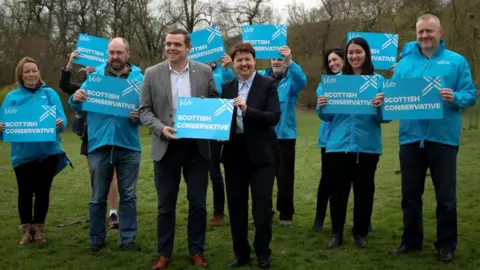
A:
[349,94]
[92,51]
[111,95]
[383,47]
[32,123]
[207,45]
[266,39]
[204,118]
[412,98]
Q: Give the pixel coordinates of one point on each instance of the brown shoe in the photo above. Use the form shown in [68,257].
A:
[39,237]
[216,221]
[161,263]
[199,261]
[26,236]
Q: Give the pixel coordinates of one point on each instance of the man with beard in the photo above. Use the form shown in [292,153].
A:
[113,143]
[221,73]
[290,80]
[433,143]
[164,83]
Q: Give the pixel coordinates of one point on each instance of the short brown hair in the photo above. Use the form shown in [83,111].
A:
[242,47]
[426,17]
[179,31]
[19,69]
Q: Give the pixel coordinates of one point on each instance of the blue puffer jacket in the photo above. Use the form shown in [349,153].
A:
[288,89]
[352,133]
[24,152]
[456,75]
[408,48]
[221,75]
[104,129]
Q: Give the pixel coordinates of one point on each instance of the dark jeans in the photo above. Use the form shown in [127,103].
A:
[285,179]
[240,174]
[181,154]
[217,179]
[359,169]
[103,161]
[35,179]
[442,161]
[324,189]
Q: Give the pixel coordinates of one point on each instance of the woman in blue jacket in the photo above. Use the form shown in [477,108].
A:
[353,148]
[332,64]
[35,163]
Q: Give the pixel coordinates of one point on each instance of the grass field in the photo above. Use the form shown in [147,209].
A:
[293,248]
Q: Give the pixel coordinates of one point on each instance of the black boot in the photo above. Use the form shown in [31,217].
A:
[318,224]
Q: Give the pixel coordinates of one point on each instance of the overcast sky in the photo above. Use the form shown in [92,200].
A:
[281,6]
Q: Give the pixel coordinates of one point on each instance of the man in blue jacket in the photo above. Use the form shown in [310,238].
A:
[221,73]
[113,142]
[290,80]
[433,143]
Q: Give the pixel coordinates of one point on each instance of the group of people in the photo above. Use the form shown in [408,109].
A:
[261,147]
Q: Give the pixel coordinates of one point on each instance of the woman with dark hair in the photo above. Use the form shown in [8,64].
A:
[80,128]
[35,163]
[353,149]
[332,65]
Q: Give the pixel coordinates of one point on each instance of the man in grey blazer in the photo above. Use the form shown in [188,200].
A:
[162,85]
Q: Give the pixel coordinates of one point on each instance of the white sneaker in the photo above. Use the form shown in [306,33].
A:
[286,223]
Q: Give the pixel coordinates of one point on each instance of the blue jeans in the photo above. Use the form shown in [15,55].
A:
[102,163]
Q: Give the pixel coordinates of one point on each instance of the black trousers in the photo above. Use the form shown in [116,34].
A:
[357,169]
[35,179]
[217,179]
[285,179]
[414,162]
[181,154]
[324,189]
[240,174]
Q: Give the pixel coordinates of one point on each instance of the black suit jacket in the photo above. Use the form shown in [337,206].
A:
[259,120]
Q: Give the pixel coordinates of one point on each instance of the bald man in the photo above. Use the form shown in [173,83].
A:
[433,143]
[113,142]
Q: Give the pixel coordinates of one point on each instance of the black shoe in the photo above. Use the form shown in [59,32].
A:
[96,247]
[444,255]
[129,246]
[403,249]
[361,241]
[264,263]
[240,262]
[317,225]
[335,242]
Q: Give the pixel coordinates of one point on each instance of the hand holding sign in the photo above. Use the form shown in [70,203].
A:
[287,53]
[59,123]
[226,60]
[73,55]
[322,101]
[79,96]
[168,132]
[378,100]
[446,94]
[134,116]
[240,102]
[2,127]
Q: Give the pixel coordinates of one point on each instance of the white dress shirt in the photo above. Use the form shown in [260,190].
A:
[180,82]
[243,90]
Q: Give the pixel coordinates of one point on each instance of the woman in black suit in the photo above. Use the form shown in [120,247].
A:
[251,155]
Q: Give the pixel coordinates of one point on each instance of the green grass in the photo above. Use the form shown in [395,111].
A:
[293,248]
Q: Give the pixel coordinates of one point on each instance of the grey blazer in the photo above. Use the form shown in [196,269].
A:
[156,102]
